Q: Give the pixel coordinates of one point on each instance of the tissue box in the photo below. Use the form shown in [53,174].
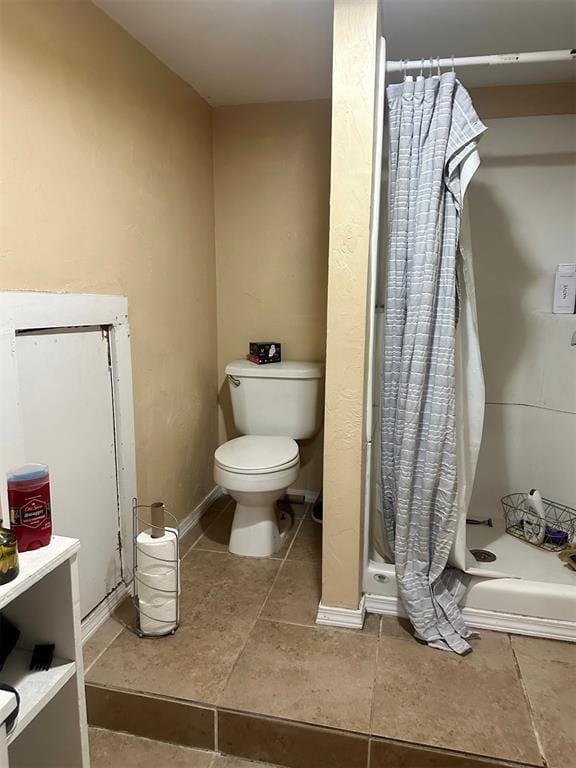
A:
[262,352]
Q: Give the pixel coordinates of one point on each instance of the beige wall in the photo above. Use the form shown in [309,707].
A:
[107,166]
[272,175]
[353,98]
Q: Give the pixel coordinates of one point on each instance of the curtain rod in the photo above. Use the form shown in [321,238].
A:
[538,57]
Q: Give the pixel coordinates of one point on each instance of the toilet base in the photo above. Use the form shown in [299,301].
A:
[258,529]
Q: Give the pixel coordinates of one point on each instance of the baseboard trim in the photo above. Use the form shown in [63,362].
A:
[98,616]
[333,616]
[516,624]
[193,518]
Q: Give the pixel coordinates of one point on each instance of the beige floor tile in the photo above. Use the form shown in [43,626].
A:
[109,749]
[100,640]
[217,536]
[548,670]
[290,743]
[314,675]
[390,754]
[547,650]
[224,761]
[308,543]
[393,626]
[195,533]
[221,598]
[152,717]
[226,584]
[473,704]
[296,593]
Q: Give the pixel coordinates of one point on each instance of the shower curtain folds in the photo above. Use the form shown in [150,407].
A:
[433,130]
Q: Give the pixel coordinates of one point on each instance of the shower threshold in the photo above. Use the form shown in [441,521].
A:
[526,590]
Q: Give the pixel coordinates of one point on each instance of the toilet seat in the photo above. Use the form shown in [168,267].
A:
[257,454]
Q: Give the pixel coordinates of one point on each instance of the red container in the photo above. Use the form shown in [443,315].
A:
[29,503]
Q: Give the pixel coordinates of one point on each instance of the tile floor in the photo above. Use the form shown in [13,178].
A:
[249,655]
[110,749]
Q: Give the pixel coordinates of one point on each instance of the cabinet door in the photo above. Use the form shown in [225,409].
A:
[68,420]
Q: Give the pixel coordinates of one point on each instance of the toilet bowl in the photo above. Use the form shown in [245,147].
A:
[256,470]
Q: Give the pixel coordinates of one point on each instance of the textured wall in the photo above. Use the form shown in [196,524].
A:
[354,71]
[107,165]
[272,176]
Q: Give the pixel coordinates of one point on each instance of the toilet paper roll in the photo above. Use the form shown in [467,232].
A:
[158,617]
[157,560]
[153,595]
[166,582]
[156,556]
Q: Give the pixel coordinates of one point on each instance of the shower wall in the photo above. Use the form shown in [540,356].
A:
[522,206]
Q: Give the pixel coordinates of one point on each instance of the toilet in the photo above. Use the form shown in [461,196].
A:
[274,405]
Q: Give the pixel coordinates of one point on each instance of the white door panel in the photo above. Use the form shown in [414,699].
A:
[68,419]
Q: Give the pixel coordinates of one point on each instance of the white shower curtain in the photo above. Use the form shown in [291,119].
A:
[469,380]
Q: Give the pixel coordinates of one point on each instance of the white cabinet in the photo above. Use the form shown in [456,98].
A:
[44,603]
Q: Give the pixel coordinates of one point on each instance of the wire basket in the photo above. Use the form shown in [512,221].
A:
[556,532]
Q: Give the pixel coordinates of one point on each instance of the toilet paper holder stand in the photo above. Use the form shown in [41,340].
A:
[157,512]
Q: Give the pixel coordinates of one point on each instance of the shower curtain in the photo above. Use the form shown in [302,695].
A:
[433,130]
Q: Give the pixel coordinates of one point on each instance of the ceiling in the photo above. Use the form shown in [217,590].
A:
[244,51]
[237,51]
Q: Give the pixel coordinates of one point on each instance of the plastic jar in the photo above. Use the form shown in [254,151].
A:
[29,503]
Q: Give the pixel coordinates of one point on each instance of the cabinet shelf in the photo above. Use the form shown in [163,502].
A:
[34,565]
[43,603]
[35,688]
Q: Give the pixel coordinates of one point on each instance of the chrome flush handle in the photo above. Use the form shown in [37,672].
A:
[234,380]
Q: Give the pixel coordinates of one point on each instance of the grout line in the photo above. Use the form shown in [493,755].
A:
[374,682]
[276,577]
[121,629]
[528,702]
[194,703]
[298,525]
[241,651]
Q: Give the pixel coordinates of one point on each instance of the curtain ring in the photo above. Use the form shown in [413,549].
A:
[438,70]
[421,68]
[453,70]
[431,67]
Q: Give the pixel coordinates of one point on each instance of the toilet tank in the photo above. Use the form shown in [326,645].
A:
[276,398]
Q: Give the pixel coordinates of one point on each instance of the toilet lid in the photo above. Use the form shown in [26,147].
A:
[257,454]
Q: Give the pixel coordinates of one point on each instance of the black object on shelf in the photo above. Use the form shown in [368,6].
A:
[9,635]
[11,719]
[42,657]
